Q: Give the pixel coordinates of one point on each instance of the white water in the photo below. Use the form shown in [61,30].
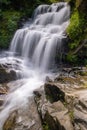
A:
[32,54]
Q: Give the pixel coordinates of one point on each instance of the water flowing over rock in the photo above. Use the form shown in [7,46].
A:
[42,39]
[6,76]
[32,55]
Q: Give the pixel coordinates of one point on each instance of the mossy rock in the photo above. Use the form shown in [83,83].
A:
[10,122]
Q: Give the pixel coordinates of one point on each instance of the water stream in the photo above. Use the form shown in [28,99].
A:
[32,54]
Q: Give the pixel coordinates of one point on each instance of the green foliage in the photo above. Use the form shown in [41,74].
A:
[77,32]
[8,27]
[72,58]
[53,1]
[73,29]
[0,14]
[76,29]
[10,13]
[5,2]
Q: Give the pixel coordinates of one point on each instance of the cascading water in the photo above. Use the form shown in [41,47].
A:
[33,49]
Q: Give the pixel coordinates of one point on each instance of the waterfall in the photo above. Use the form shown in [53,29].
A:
[42,38]
[34,48]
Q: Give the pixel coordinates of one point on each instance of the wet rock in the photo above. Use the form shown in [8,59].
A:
[3,89]
[25,118]
[1,101]
[61,104]
[6,76]
[10,123]
[37,93]
[48,79]
[3,92]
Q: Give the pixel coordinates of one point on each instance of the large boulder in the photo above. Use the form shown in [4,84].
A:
[57,117]
[51,108]
[25,118]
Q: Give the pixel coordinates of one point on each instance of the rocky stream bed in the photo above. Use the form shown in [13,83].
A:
[61,104]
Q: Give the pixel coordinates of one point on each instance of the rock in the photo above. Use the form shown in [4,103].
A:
[66,112]
[3,92]
[59,105]
[6,76]
[57,117]
[76,101]
[53,92]
[1,101]
[48,79]
[10,123]
[54,115]
[3,89]
[37,93]
[25,118]
[41,102]
[80,109]
[82,5]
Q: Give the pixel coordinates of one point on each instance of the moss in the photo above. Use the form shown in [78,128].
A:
[83,73]
[45,126]
[53,1]
[85,85]
[71,114]
[78,2]
[10,122]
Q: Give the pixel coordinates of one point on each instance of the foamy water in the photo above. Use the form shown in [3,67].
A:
[32,54]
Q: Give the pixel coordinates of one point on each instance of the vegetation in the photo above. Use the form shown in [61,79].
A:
[45,126]
[14,12]
[8,26]
[77,33]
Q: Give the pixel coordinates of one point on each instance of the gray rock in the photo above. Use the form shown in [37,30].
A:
[55,115]
[24,119]
[6,76]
